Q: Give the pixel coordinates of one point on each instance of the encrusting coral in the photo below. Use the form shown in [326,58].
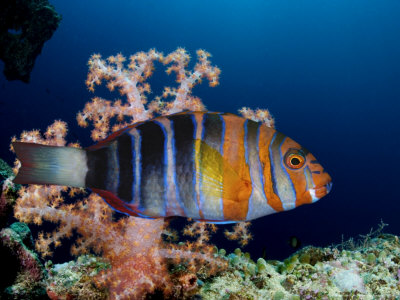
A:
[367,270]
[25,273]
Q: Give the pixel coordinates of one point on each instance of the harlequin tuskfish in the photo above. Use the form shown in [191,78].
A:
[215,167]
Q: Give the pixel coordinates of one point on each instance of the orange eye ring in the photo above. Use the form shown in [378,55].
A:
[294,159]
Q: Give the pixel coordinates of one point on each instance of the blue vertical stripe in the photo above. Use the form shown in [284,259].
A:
[293,190]
[309,180]
[222,135]
[246,150]
[259,162]
[165,167]
[221,203]
[201,175]
[138,168]
[278,171]
[134,200]
[174,178]
[194,158]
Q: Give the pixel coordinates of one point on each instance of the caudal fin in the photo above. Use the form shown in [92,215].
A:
[42,164]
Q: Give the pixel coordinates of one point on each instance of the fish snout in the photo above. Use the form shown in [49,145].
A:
[319,192]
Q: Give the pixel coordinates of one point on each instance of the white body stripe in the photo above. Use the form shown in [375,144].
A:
[283,184]
[173,206]
[197,184]
[136,166]
[258,205]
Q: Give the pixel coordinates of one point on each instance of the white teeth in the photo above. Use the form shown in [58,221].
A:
[313,196]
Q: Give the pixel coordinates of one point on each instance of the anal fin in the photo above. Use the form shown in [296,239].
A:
[117,204]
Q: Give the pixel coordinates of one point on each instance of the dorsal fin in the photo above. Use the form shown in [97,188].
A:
[112,137]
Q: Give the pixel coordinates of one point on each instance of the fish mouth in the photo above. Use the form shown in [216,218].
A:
[319,192]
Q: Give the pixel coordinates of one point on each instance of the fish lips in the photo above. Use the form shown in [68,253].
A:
[319,192]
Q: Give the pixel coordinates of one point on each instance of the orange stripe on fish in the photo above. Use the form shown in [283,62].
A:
[237,190]
[265,139]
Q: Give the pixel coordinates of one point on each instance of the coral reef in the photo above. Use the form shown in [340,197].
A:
[75,279]
[368,271]
[8,192]
[24,28]
[25,273]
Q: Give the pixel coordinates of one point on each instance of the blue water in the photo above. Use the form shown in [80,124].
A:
[329,71]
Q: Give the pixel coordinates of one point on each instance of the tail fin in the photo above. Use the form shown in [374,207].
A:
[43,164]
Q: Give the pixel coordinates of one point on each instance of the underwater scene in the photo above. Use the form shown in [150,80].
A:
[199,149]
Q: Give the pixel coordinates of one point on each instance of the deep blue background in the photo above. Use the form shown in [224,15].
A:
[329,71]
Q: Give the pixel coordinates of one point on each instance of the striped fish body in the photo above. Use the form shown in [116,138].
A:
[215,167]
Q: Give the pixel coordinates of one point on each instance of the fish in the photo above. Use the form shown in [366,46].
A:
[207,166]
[294,242]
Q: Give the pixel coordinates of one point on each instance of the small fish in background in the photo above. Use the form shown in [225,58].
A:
[264,253]
[294,242]
[214,167]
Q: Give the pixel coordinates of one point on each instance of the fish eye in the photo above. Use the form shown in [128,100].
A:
[294,159]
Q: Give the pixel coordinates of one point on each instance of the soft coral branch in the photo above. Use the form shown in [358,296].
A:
[240,233]
[183,99]
[130,81]
[258,115]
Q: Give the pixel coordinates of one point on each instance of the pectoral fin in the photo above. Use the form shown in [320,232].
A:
[221,180]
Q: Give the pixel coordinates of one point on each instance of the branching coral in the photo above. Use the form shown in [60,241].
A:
[240,233]
[130,82]
[258,115]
